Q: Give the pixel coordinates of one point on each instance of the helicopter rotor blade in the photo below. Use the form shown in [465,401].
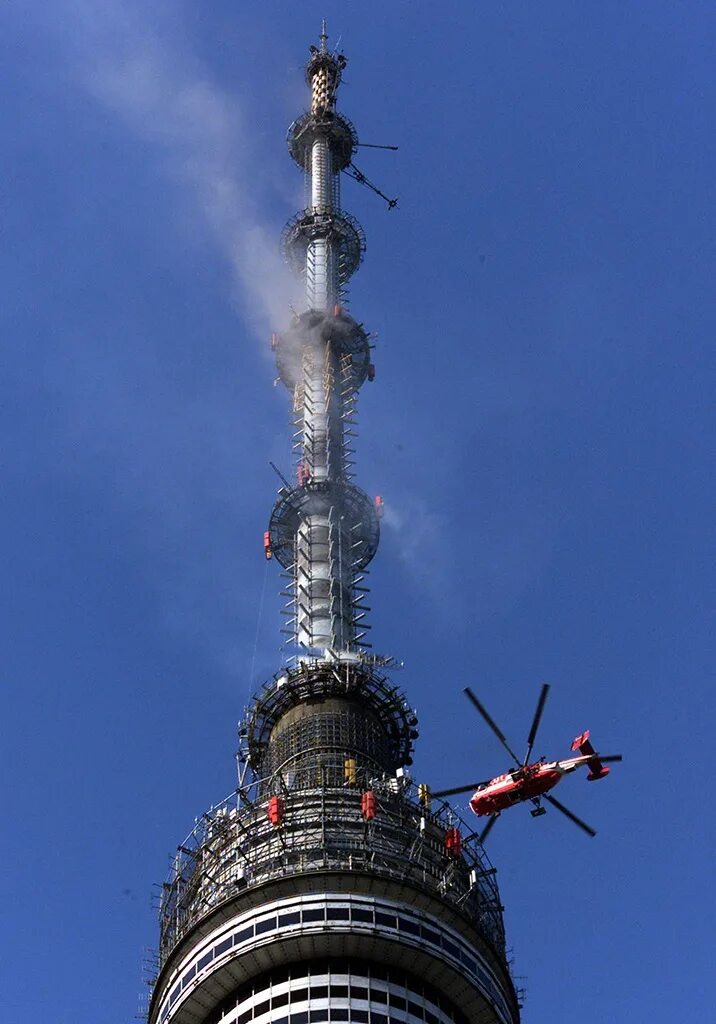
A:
[572,817]
[488,828]
[459,789]
[497,731]
[609,758]
[536,721]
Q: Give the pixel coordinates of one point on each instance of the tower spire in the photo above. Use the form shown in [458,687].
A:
[324,530]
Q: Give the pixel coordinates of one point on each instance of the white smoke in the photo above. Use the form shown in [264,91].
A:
[417,534]
[505,554]
[171,458]
[132,60]
[417,531]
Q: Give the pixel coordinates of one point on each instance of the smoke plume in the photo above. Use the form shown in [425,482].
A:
[132,60]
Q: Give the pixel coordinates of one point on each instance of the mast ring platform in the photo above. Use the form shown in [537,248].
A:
[342,231]
[313,681]
[337,130]
[318,498]
[324,60]
[346,338]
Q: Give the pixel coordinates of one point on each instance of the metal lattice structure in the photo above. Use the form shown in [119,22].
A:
[235,847]
[325,531]
[329,886]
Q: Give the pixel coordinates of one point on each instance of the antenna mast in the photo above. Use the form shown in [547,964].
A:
[324,530]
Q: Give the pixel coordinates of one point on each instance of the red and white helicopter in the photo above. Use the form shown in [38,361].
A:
[530,781]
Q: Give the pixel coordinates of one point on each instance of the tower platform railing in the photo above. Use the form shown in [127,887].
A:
[323,828]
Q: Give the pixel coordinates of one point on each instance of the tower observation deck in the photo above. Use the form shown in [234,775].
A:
[329,886]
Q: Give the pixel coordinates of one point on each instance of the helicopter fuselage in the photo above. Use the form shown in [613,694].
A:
[526,783]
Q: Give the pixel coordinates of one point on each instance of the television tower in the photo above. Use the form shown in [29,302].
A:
[329,886]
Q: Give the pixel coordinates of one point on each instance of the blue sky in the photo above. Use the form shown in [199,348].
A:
[541,429]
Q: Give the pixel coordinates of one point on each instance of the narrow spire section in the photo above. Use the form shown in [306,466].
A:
[324,530]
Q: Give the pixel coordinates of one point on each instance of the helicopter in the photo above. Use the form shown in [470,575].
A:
[530,782]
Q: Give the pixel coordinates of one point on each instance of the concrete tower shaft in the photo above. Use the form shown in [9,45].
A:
[331,887]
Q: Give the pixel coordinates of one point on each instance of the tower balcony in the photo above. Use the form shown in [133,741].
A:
[337,130]
[331,874]
[341,231]
[323,831]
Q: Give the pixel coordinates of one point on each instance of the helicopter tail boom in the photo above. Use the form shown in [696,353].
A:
[597,770]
